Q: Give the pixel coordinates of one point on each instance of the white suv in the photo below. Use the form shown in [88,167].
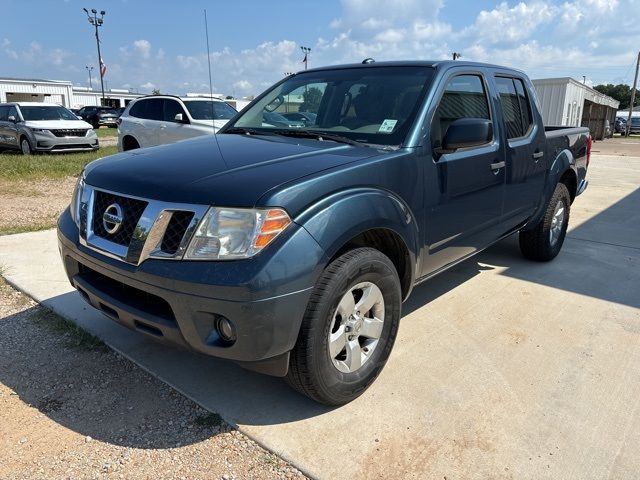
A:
[160,119]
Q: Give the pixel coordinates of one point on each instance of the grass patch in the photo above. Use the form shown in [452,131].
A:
[31,227]
[74,336]
[14,166]
[209,420]
[106,132]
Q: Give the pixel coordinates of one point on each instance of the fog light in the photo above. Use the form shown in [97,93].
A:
[225,330]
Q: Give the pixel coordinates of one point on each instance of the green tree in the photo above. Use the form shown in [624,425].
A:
[620,92]
[311,100]
[156,91]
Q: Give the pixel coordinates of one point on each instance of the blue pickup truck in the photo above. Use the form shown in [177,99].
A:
[290,248]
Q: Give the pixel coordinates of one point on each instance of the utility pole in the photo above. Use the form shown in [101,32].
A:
[89,68]
[633,97]
[97,22]
[456,55]
[306,51]
[584,79]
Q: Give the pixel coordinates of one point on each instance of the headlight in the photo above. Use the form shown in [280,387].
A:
[39,130]
[74,208]
[230,233]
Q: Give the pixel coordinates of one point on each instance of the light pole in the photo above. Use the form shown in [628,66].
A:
[89,68]
[97,22]
[456,55]
[306,51]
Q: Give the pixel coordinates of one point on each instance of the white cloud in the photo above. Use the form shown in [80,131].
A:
[148,86]
[142,47]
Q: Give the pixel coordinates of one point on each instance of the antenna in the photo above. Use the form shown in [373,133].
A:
[213,117]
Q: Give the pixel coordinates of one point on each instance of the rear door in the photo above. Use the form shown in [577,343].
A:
[144,119]
[525,142]
[8,129]
[4,113]
[464,189]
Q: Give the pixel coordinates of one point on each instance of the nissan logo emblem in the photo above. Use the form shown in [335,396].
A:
[112,218]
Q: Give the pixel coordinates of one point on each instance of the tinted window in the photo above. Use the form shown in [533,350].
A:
[516,109]
[463,97]
[203,110]
[13,112]
[171,109]
[510,106]
[4,113]
[150,109]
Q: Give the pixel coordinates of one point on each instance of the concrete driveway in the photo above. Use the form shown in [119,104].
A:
[503,368]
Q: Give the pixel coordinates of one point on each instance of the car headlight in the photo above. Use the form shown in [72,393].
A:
[232,233]
[39,130]
[76,199]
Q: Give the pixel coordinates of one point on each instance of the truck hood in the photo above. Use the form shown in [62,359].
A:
[230,170]
[56,124]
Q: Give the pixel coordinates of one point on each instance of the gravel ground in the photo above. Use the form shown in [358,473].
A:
[71,408]
[33,204]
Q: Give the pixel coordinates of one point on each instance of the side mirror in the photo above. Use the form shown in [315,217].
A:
[79,117]
[12,118]
[467,132]
[180,118]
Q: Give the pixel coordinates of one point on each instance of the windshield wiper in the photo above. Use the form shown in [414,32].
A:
[318,135]
[247,131]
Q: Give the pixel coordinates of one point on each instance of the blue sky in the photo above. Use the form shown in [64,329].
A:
[148,44]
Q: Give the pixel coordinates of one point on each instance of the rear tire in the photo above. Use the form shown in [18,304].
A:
[338,354]
[543,243]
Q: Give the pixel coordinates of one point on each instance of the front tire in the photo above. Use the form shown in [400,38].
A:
[543,243]
[25,146]
[349,328]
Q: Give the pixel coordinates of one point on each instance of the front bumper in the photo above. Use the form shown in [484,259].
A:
[179,301]
[50,143]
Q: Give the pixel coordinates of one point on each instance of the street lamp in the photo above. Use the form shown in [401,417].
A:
[89,69]
[97,22]
[306,51]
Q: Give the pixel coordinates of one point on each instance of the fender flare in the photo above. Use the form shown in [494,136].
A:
[343,215]
[563,162]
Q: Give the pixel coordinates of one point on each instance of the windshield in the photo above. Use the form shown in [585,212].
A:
[46,113]
[203,110]
[375,105]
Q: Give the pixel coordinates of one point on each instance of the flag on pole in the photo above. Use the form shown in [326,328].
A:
[103,68]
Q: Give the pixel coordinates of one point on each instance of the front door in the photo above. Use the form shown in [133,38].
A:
[465,188]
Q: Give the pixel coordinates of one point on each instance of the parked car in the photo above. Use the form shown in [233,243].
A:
[161,119]
[620,125]
[43,127]
[290,250]
[634,127]
[120,111]
[99,116]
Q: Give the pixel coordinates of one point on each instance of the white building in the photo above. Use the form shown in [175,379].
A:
[568,102]
[59,91]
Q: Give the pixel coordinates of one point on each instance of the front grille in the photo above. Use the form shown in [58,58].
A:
[175,231]
[131,212]
[138,299]
[69,132]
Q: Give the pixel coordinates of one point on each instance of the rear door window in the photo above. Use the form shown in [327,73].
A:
[4,113]
[516,109]
[149,109]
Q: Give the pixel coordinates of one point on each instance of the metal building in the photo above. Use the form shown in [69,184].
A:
[59,91]
[568,102]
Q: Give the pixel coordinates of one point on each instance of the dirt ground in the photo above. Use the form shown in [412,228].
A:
[71,408]
[33,205]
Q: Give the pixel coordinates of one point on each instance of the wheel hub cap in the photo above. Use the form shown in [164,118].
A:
[557,223]
[356,327]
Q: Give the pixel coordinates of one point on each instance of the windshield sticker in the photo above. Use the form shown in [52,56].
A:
[387,126]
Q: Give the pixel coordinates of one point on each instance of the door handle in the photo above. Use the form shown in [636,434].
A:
[537,156]
[497,166]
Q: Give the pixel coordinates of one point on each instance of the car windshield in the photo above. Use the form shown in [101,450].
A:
[368,105]
[209,110]
[46,113]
